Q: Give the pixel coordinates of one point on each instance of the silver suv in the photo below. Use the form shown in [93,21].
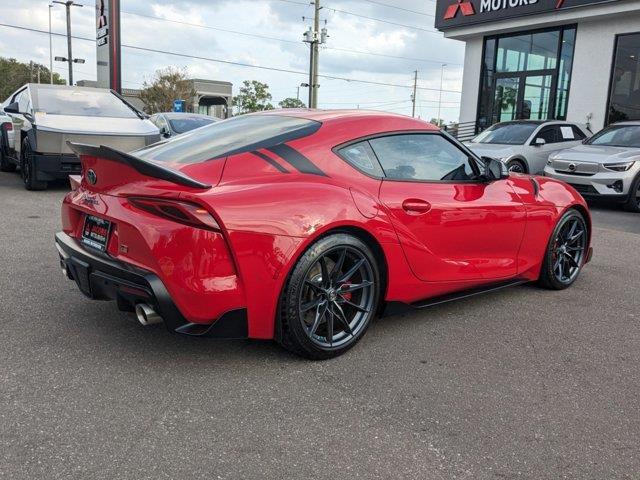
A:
[607,166]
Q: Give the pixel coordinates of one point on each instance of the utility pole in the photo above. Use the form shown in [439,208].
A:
[314,37]
[415,90]
[50,48]
[440,93]
[68,4]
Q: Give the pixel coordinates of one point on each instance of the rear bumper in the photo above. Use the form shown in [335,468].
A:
[100,277]
[55,166]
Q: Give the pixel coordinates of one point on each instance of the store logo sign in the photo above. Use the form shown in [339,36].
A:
[465,7]
[496,5]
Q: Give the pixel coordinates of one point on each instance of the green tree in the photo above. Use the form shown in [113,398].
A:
[167,85]
[292,103]
[14,74]
[254,96]
[438,122]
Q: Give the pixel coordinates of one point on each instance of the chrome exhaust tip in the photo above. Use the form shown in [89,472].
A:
[147,315]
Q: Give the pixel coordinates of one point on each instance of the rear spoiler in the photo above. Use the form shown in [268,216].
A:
[142,166]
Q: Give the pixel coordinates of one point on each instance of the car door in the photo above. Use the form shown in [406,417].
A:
[537,154]
[452,226]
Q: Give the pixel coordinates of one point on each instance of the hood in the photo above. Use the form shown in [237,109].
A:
[494,150]
[597,154]
[94,125]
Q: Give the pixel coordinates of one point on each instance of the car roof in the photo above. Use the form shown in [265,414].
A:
[539,122]
[327,116]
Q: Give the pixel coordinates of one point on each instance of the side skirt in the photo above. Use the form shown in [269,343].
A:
[393,308]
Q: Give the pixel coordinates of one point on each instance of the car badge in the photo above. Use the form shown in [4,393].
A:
[89,199]
[572,167]
[92,178]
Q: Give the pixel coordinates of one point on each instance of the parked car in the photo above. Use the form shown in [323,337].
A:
[525,145]
[171,124]
[607,166]
[46,117]
[7,142]
[301,225]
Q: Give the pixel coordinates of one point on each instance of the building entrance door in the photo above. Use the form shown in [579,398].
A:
[523,96]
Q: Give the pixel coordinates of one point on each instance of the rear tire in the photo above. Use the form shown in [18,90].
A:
[330,298]
[516,166]
[633,202]
[27,168]
[566,251]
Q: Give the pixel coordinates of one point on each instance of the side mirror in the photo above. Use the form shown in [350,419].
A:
[12,108]
[164,131]
[494,169]
[539,142]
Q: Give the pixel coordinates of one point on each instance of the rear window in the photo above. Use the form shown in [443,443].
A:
[229,137]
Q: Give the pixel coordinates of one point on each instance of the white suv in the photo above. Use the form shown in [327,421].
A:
[607,166]
[525,145]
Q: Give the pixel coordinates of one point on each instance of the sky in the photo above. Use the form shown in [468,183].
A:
[264,33]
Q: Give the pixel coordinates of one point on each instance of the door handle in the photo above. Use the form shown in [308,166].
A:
[415,206]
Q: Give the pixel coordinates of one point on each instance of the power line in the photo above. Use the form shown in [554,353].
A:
[399,8]
[238,64]
[284,40]
[346,12]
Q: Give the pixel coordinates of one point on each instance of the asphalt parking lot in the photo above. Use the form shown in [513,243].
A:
[522,383]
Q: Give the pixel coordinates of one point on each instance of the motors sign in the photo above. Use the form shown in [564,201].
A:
[108,44]
[459,13]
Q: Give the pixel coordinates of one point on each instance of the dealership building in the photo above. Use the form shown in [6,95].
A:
[546,59]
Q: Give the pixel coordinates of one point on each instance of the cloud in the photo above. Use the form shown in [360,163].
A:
[423,48]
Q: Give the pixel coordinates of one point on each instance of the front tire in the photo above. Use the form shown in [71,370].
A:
[566,251]
[330,298]
[633,202]
[28,170]
[516,166]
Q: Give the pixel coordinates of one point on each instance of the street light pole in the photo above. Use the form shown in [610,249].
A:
[314,37]
[50,48]
[68,4]
[440,92]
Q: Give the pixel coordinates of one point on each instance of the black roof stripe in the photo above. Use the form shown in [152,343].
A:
[271,162]
[296,159]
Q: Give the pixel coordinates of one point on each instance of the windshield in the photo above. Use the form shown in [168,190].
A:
[617,136]
[81,102]
[506,133]
[229,137]
[181,125]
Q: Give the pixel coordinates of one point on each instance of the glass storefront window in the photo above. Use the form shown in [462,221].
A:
[624,98]
[526,76]
[564,73]
[532,51]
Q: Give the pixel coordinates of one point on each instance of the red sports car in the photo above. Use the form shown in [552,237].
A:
[301,226]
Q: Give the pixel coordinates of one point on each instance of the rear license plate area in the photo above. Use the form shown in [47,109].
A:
[95,232]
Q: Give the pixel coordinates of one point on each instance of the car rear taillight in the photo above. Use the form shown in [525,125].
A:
[7,126]
[181,212]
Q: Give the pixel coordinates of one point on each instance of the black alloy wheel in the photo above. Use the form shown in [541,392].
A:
[331,297]
[566,251]
[516,166]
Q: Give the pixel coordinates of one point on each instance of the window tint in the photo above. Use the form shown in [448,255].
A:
[361,156]
[507,133]
[617,136]
[579,134]
[229,137]
[549,134]
[182,125]
[421,157]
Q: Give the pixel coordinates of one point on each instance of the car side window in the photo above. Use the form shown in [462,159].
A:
[579,134]
[361,156]
[421,157]
[549,134]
